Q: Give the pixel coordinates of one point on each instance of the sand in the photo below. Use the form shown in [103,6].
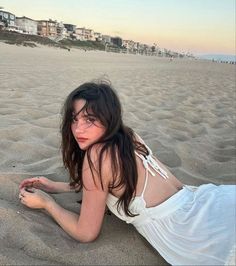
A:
[184,110]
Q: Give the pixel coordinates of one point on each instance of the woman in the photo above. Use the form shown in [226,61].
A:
[113,167]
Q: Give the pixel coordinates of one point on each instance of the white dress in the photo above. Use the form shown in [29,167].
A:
[195,226]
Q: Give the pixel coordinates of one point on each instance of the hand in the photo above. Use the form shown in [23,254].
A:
[34,198]
[40,182]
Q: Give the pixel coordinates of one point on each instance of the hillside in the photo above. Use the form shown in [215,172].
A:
[32,41]
[27,40]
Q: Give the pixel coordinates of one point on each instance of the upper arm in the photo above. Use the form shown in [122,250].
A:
[93,199]
[91,214]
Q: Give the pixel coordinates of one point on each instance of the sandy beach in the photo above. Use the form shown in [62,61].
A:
[184,110]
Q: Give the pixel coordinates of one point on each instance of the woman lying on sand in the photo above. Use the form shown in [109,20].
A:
[112,165]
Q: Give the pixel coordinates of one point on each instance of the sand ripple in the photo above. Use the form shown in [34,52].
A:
[185,111]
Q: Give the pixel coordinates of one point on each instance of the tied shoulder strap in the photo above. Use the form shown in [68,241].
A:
[148,161]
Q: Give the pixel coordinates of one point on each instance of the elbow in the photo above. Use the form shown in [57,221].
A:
[88,238]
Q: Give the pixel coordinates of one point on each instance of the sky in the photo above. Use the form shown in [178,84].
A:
[194,26]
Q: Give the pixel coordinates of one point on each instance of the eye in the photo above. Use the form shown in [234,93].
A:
[74,119]
[90,120]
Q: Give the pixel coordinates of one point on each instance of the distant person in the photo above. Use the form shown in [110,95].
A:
[111,164]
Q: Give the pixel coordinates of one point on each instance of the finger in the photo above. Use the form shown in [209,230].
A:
[22,191]
[36,181]
[36,177]
[29,181]
[25,183]
[30,190]
[32,179]
[36,184]
[22,201]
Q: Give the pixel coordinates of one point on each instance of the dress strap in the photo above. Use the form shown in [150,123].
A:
[149,160]
[145,184]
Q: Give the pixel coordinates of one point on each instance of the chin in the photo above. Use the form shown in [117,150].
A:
[83,147]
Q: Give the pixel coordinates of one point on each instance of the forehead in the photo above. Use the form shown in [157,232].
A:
[79,110]
[78,105]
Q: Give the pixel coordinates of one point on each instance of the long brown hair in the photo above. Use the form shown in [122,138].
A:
[118,139]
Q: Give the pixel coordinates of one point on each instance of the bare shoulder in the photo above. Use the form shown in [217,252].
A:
[98,156]
[97,168]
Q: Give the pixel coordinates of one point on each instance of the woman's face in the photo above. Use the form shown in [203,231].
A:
[86,128]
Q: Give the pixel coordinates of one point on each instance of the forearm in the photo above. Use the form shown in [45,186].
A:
[64,187]
[67,220]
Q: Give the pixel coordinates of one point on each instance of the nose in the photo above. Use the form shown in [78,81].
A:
[79,128]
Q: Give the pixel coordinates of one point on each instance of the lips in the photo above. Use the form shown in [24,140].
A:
[81,139]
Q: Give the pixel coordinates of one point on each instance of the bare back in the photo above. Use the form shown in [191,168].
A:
[158,189]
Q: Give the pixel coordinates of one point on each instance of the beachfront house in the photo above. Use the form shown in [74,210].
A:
[70,29]
[84,34]
[89,35]
[7,18]
[27,25]
[98,36]
[131,46]
[80,34]
[106,39]
[61,30]
[47,28]
[8,21]
[117,41]
[2,25]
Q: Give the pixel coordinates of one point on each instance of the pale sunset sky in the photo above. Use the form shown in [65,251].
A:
[195,26]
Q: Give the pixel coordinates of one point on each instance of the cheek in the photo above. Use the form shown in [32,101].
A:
[102,132]
[98,132]
[72,129]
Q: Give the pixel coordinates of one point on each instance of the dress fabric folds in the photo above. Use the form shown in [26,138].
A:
[195,226]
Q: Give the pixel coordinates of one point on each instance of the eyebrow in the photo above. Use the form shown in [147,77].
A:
[83,115]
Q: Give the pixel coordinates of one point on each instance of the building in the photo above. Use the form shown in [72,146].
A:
[84,34]
[116,41]
[106,39]
[70,29]
[61,29]
[47,28]
[27,25]
[2,25]
[7,18]
[98,36]
[130,45]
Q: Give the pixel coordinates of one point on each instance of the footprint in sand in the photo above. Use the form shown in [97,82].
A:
[225,143]
[224,155]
